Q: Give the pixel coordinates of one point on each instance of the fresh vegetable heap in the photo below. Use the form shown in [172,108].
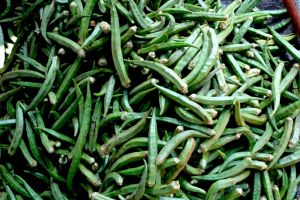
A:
[107,99]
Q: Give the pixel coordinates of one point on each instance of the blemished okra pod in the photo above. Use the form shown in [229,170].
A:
[285,111]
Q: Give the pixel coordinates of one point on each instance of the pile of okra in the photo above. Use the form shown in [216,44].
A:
[170,100]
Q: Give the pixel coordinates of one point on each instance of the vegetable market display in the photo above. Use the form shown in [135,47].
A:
[106,99]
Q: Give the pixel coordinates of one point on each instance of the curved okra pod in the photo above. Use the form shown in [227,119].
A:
[237,113]
[48,12]
[174,142]
[140,190]
[137,15]
[184,157]
[263,140]
[167,73]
